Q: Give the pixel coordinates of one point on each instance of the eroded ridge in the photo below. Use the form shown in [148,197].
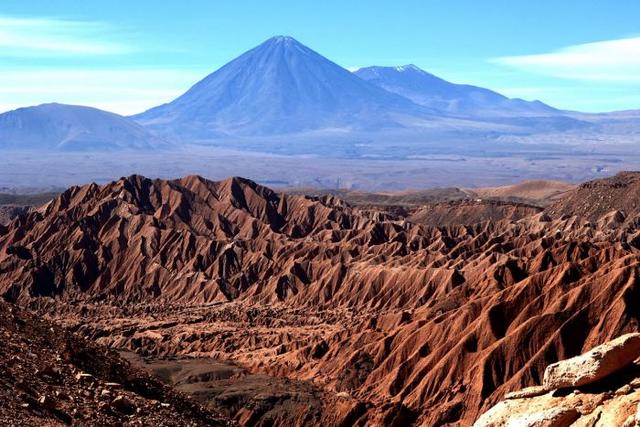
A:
[396,322]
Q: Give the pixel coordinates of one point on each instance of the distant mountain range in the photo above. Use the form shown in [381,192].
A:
[435,93]
[281,88]
[71,127]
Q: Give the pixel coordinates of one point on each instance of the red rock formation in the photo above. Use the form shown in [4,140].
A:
[403,323]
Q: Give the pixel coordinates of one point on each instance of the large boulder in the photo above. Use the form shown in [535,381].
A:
[593,365]
[610,405]
[523,413]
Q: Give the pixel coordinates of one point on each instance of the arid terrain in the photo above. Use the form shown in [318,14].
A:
[52,377]
[270,308]
[12,205]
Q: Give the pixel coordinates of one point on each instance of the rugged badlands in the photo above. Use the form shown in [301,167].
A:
[357,316]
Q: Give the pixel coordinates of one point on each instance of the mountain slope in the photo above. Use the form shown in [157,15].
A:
[617,197]
[71,127]
[279,87]
[535,192]
[52,377]
[433,92]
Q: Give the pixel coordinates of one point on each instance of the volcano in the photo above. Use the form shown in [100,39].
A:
[280,87]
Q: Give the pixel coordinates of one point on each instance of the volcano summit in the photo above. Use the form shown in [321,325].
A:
[281,86]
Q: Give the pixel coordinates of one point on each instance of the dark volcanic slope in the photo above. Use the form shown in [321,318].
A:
[50,377]
[405,324]
[618,196]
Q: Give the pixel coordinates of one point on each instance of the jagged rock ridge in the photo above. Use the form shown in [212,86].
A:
[419,324]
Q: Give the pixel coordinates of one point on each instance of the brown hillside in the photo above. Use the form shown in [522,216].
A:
[538,192]
[469,212]
[595,199]
[50,377]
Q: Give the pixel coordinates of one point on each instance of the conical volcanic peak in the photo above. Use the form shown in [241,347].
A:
[285,41]
[280,86]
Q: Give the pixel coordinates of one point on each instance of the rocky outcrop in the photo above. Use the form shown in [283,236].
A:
[507,415]
[593,365]
[598,388]
[50,377]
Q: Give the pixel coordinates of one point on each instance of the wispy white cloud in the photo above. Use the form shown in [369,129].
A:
[46,37]
[612,60]
[123,90]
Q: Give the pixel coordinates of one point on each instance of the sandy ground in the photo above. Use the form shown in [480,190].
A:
[231,389]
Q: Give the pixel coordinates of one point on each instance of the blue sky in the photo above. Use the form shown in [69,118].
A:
[126,56]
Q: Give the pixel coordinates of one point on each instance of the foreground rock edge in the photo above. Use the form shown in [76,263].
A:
[584,390]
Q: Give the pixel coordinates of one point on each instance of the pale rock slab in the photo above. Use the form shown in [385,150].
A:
[593,365]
